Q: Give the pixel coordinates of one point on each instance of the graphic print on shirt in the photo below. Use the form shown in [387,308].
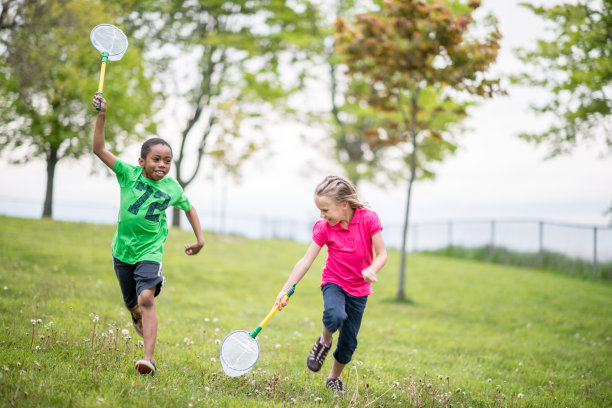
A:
[156,205]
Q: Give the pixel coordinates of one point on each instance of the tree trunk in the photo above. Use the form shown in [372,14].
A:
[413,162]
[51,163]
[400,289]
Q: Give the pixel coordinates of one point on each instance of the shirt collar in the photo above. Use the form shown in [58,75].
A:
[354,220]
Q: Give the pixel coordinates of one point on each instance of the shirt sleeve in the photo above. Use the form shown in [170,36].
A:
[121,171]
[374,224]
[183,203]
[319,233]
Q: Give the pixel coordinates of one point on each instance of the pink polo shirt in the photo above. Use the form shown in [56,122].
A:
[349,250]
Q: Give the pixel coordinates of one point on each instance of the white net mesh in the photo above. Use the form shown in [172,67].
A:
[110,39]
[239,353]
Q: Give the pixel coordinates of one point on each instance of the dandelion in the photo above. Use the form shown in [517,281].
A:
[186,340]
[37,348]
[215,320]
[217,329]
[213,360]
[318,399]
[39,321]
[520,395]
[125,332]
[206,319]
[489,380]
[206,389]
[111,332]
[95,319]
[520,364]
[6,288]
[277,346]
[33,322]
[217,342]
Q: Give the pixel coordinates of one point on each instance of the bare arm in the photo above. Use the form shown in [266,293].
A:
[194,220]
[369,274]
[98,140]
[299,270]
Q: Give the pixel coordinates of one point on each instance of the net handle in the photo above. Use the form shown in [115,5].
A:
[255,332]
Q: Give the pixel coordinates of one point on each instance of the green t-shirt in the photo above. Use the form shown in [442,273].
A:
[142,228]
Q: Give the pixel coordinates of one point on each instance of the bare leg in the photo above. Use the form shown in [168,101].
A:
[336,369]
[146,301]
[326,335]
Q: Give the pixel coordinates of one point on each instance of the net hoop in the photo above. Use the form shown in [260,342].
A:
[110,39]
[239,353]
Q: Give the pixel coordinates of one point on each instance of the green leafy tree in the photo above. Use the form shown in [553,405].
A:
[238,49]
[421,66]
[575,67]
[48,75]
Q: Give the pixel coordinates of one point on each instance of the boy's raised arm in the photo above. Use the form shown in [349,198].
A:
[98,140]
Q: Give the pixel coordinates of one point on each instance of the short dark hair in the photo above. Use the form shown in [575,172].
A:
[146,146]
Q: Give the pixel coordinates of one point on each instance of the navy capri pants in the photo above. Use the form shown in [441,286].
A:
[343,312]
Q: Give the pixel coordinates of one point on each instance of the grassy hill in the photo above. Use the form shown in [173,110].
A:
[471,335]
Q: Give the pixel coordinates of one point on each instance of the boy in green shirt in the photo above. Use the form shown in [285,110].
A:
[138,244]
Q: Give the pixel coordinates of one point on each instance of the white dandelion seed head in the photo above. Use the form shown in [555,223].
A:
[217,341]
[489,380]
[39,321]
[217,329]
[215,320]
[33,321]
[214,360]
[186,340]
[125,332]
[6,288]
[520,395]
[206,389]
[206,319]
[277,346]
[520,364]
[37,347]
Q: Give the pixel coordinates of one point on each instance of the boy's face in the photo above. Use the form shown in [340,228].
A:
[332,211]
[157,163]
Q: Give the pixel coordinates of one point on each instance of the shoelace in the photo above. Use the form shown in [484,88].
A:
[318,353]
[336,385]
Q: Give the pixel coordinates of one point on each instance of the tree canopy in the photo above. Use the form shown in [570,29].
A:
[48,75]
[575,66]
[419,64]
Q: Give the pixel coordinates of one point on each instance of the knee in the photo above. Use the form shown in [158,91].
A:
[333,318]
[146,299]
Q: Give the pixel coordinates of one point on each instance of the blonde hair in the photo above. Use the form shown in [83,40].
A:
[340,190]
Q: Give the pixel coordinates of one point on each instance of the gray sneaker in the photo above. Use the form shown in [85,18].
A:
[335,385]
[317,355]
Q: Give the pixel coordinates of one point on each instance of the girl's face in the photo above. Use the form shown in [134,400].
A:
[157,163]
[333,212]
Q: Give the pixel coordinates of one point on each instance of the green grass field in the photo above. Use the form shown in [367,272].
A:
[471,335]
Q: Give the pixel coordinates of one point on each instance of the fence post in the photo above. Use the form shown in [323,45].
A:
[541,240]
[594,251]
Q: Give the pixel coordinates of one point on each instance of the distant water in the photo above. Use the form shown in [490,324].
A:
[574,240]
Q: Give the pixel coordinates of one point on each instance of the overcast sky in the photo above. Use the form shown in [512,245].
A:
[493,175]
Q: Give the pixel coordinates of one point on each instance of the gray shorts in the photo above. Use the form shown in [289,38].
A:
[133,279]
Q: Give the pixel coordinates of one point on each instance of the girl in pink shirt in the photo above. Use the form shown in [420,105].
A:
[350,231]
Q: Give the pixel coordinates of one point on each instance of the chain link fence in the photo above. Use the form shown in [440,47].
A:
[588,242]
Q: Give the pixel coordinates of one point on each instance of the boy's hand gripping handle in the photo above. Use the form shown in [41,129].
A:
[255,332]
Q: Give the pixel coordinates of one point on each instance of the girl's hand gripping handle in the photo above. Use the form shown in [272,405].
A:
[275,309]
